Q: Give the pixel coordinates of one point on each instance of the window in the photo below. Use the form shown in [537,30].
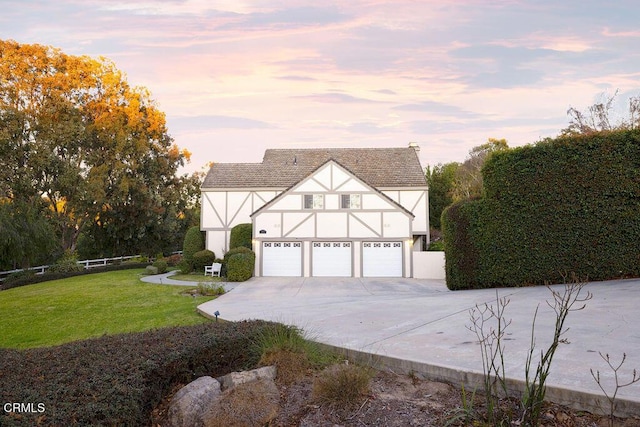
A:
[313,201]
[350,201]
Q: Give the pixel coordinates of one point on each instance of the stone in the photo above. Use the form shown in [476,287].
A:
[236,378]
[253,403]
[192,402]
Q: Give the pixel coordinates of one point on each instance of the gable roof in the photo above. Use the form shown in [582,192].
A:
[288,190]
[282,168]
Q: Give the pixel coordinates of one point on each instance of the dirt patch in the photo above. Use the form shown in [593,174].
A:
[397,401]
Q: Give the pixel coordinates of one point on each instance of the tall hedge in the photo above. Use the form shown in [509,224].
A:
[567,205]
[241,235]
[193,242]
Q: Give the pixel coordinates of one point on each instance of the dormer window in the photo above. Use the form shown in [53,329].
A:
[313,201]
[350,201]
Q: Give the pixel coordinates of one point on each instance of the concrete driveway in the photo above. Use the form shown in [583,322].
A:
[421,326]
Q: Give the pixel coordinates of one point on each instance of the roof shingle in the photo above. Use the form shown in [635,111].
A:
[281,168]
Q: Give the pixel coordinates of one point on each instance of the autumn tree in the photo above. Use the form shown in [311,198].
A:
[76,135]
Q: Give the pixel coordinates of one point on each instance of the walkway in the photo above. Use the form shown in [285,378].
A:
[165,279]
[421,326]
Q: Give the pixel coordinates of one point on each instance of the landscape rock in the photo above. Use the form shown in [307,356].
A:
[190,404]
[253,403]
[234,379]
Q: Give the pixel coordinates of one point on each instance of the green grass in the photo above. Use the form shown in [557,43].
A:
[60,311]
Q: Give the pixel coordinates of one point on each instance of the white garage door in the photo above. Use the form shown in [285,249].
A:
[382,259]
[331,259]
[282,259]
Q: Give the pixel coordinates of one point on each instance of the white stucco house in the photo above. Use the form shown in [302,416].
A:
[344,212]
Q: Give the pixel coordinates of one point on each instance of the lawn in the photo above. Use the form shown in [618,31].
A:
[81,307]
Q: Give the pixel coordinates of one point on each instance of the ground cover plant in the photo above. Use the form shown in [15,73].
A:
[119,379]
[92,305]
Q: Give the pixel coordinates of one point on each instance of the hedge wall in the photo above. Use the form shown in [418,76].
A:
[567,205]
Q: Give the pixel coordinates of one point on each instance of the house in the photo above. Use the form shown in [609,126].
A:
[346,212]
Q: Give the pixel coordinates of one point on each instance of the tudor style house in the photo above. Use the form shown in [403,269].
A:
[344,212]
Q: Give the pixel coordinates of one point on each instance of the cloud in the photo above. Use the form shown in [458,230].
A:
[216,122]
[337,98]
[435,107]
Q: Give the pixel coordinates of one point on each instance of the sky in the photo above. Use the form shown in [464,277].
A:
[235,77]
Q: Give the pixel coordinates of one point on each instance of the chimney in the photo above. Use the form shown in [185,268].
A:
[415,146]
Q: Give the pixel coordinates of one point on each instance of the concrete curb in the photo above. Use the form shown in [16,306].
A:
[576,399]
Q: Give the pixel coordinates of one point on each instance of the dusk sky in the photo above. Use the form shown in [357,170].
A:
[235,77]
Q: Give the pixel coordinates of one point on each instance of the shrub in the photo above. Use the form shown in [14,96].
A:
[193,242]
[236,250]
[67,263]
[174,259]
[151,270]
[161,265]
[185,267]
[241,235]
[202,258]
[210,289]
[240,267]
[231,252]
[118,380]
[436,246]
[341,385]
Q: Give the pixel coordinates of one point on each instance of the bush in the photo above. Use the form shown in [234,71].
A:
[151,270]
[68,263]
[173,260]
[185,267]
[241,235]
[118,380]
[231,252]
[436,246]
[161,265]
[234,251]
[240,267]
[341,385]
[193,242]
[202,258]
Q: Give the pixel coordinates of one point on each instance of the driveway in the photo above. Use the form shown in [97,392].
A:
[421,326]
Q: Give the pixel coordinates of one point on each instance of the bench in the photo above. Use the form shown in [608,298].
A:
[213,269]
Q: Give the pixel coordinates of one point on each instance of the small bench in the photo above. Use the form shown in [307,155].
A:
[213,269]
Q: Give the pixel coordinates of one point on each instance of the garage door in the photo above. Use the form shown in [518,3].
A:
[331,259]
[282,259]
[382,259]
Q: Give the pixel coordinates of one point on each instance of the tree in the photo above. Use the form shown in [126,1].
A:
[441,179]
[599,117]
[468,182]
[76,135]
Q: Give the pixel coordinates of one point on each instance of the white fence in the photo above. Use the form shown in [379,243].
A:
[428,265]
[87,263]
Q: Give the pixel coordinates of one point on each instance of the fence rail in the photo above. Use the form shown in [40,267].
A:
[87,264]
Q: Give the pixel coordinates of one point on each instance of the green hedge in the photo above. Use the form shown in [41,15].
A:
[29,277]
[193,242]
[241,235]
[240,266]
[570,204]
[118,380]
[202,258]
